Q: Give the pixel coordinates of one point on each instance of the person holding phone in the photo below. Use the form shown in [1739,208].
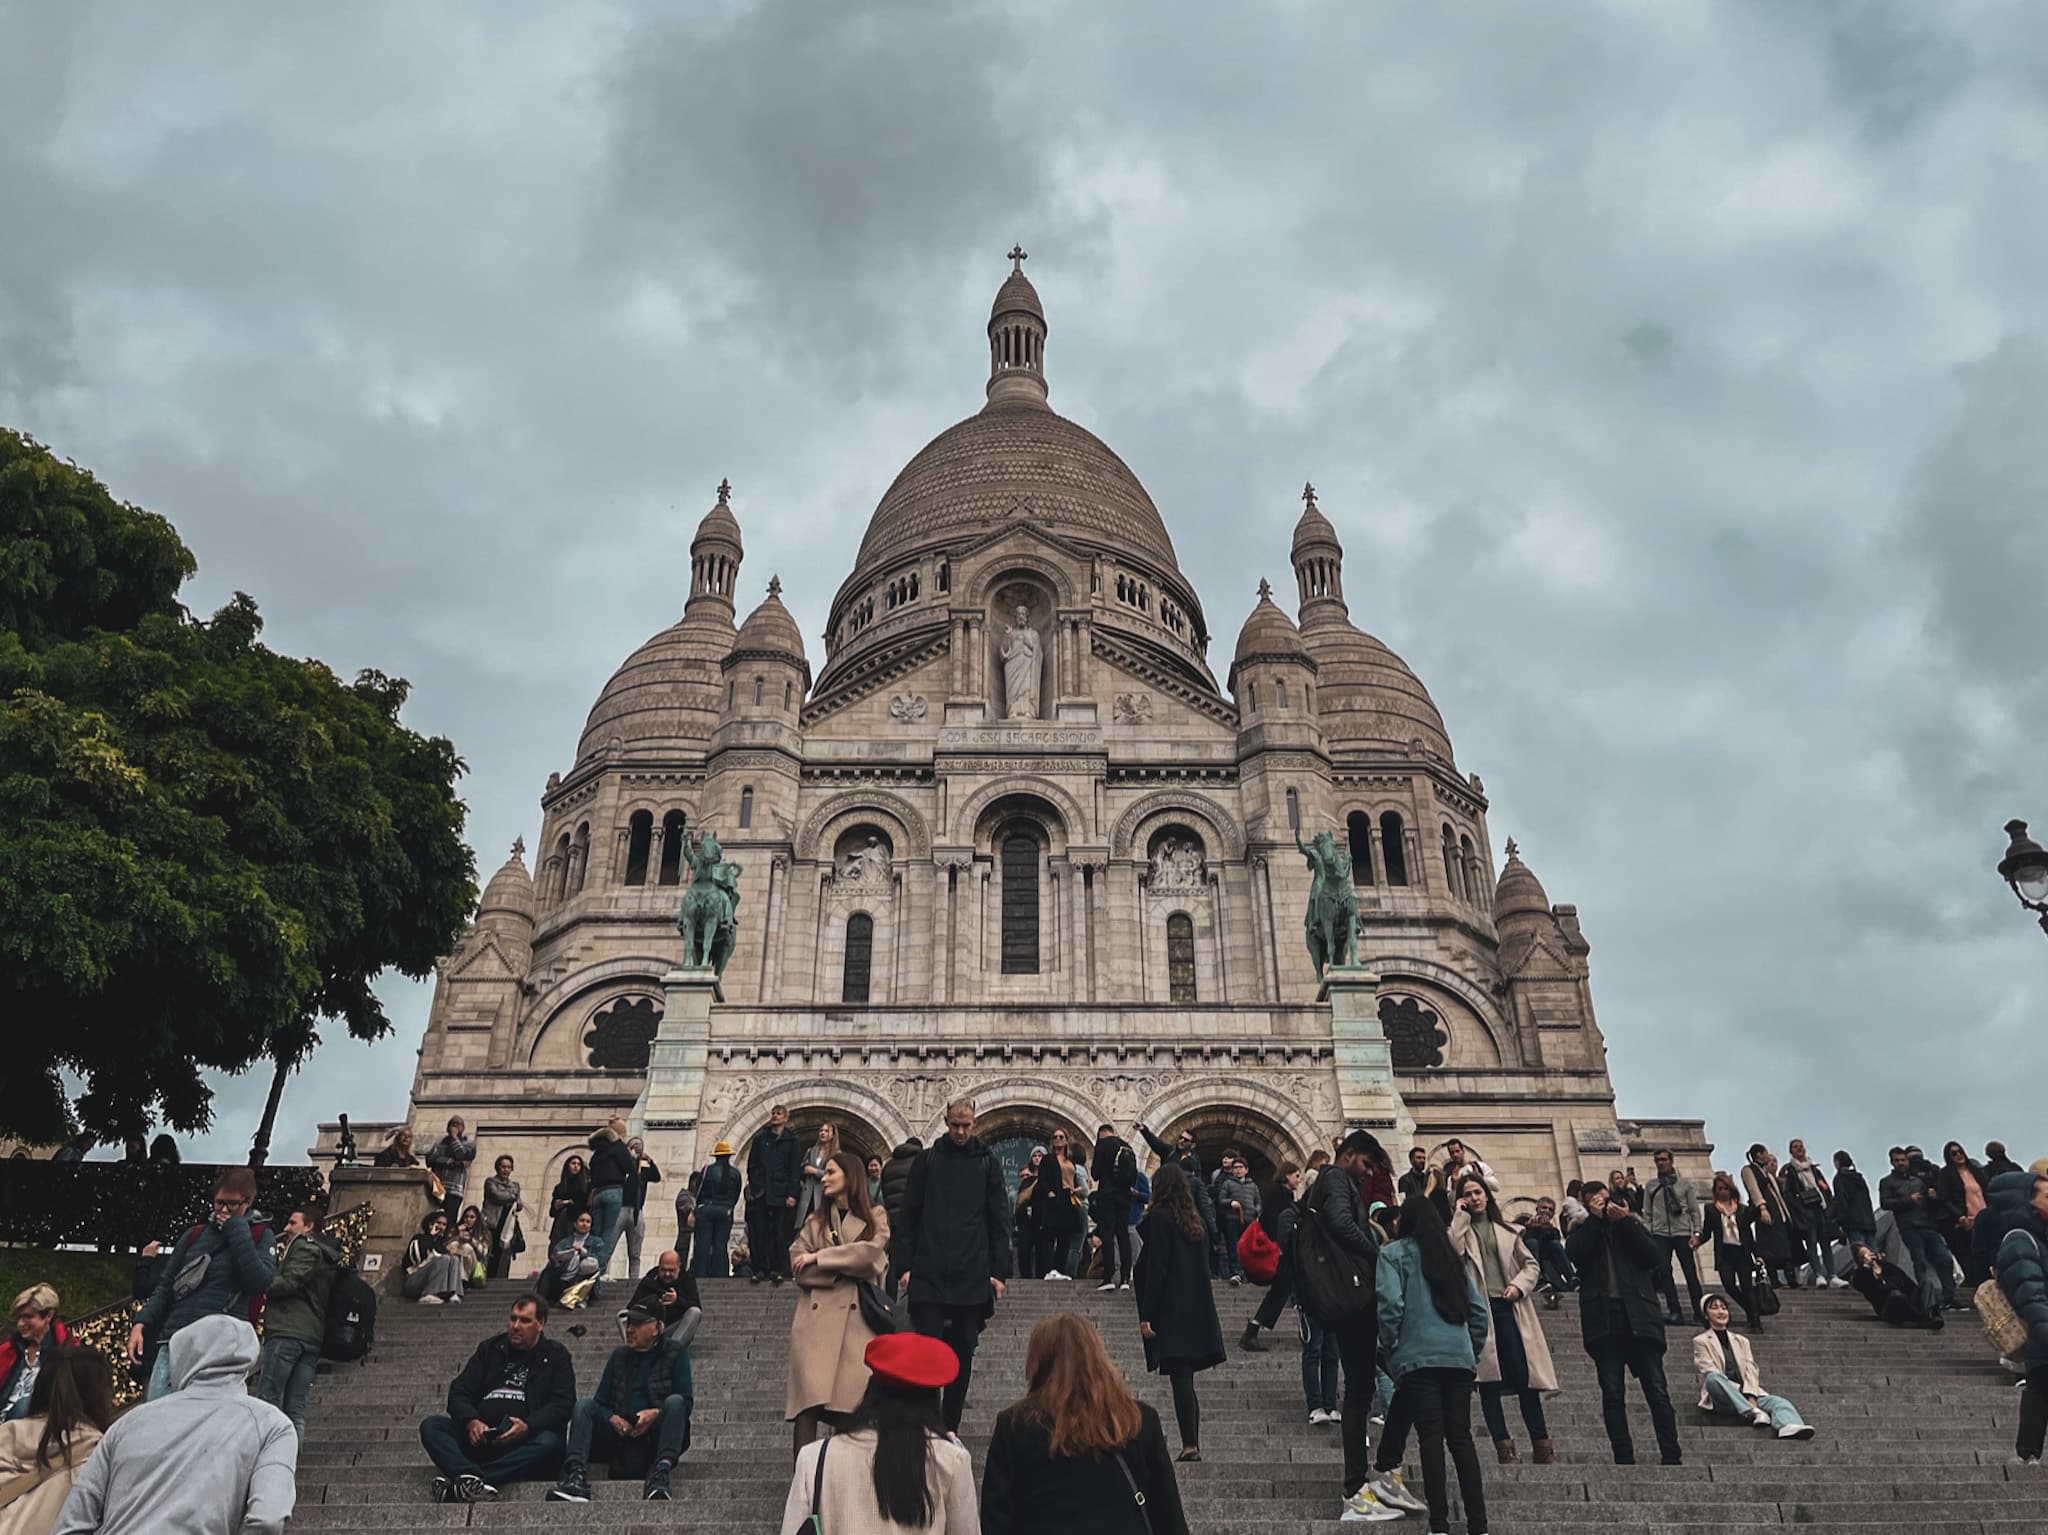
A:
[508,1411]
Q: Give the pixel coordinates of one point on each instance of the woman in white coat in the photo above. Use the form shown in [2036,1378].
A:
[1517,1357]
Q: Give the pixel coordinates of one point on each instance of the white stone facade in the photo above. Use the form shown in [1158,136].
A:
[1132,817]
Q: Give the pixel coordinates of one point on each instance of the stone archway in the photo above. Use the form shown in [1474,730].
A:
[1222,1113]
[856,1134]
[867,1124]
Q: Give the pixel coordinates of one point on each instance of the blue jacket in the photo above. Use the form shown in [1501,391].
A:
[1412,1334]
[2005,1203]
[239,1267]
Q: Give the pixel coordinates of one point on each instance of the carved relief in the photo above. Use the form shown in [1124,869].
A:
[908,708]
[1177,866]
[1133,708]
[619,1037]
[863,868]
[1414,1033]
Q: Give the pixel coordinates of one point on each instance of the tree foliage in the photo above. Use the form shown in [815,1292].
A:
[205,847]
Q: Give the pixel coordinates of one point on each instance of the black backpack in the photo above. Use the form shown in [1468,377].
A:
[1334,1284]
[351,1319]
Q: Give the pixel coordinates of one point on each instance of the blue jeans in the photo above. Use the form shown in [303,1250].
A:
[712,1249]
[287,1377]
[1233,1228]
[1726,1398]
[1320,1380]
[1933,1263]
[531,1459]
[605,1204]
[591,1434]
[160,1373]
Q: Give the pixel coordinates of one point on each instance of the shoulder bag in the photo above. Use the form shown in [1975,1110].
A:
[1137,1493]
[815,1525]
[876,1308]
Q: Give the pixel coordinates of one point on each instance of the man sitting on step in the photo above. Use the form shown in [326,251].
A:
[639,1417]
[507,1411]
[1729,1383]
[672,1294]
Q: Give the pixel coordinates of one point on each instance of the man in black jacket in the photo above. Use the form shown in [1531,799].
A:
[1337,1205]
[951,1251]
[1908,1192]
[1854,1212]
[638,1418]
[672,1295]
[1183,1151]
[774,1161]
[1620,1319]
[508,1410]
[1115,1174]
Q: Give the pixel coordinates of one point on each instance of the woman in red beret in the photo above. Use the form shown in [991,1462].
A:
[892,1470]
[844,1240]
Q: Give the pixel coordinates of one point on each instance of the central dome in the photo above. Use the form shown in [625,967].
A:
[1016,458]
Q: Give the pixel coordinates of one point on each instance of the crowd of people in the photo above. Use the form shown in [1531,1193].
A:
[1412,1294]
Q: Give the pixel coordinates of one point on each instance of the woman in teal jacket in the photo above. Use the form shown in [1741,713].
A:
[1433,1323]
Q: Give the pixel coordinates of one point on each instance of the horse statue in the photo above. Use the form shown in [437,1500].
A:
[1332,919]
[709,919]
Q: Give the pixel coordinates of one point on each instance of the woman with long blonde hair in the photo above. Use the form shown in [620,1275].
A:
[1078,1451]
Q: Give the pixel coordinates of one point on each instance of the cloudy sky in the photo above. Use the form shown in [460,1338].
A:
[1675,375]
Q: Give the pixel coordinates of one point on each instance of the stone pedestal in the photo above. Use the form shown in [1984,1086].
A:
[398,1199]
[665,1118]
[1366,1095]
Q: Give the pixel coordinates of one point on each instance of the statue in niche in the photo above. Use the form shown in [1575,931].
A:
[864,868]
[1021,667]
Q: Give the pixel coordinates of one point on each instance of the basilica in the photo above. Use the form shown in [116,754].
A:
[1016,839]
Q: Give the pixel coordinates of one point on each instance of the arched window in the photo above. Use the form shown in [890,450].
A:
[1180,957]
[579,859]
[788,694]
[1020,904]
[561,879]
[759,683]
[1279,695]
[731,692]
[1471,869]
[639,842]
[1358,828]
[1251,697]
[1452,882]
[746,807]
[860,954]
[1392,851]
[671,849]
[1293,810]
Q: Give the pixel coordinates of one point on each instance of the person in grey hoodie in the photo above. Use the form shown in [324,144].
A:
[207,1459]
[222,1264]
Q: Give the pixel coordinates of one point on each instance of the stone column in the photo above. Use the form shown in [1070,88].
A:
[1223,929]
[666,1115]
[398,1198]
[1366,1094]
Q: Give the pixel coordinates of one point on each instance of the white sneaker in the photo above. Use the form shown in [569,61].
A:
[1336,1415]
[1796,1431]
[430,1300]
[1394,1493]
[1054,1274]
[1837,1282]
[1318,1415]
[1363,1508]
[1101,1287]
[1125,1285]
[1759,1417]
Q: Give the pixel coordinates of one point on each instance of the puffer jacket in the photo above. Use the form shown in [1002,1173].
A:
[2005,1203]
[2023,1276]
[1241,1190]
[896,1178]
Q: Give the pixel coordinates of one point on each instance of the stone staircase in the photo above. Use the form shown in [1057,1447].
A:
[1915,1429]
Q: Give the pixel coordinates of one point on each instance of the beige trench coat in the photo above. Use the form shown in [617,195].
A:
[1521,1271]
[827,1339]
[35,1513]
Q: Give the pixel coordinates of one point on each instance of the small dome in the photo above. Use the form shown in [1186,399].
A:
[667,693]
[1016,295]
[719,524]
[1314,531]
[510,892]
[1519,893]
[1268,634]
[769,630]
[1366,695]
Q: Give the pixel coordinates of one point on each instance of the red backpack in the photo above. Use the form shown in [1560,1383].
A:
[1259,1254]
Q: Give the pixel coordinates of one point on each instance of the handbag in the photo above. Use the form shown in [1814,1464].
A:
[2003,1327]
[1767,1302]
[877,1310]
[815,1525]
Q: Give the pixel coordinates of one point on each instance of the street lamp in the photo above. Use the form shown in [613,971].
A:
[2025,868]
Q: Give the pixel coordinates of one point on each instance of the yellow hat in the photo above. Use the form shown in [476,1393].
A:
[722,1149]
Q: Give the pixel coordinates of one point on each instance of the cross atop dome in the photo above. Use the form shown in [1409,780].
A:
[518,848]
[1308,495]
[1513,851]
[1018,256]
[775,586]
[1265,590]
[724,491]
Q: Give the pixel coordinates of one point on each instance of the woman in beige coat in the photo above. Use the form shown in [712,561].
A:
[845,1240]
[1517,1358]
[40,1455]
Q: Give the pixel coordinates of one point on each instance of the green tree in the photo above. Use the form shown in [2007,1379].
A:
[206,848]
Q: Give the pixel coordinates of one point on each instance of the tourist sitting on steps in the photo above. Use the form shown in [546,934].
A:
[1894,1295]
[1053,1465]
[1729,1383]
[36,1331]
[432,1274]
[508,1411]
[893,1468]
[672,1294]
[573,1264]
[639,1417]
